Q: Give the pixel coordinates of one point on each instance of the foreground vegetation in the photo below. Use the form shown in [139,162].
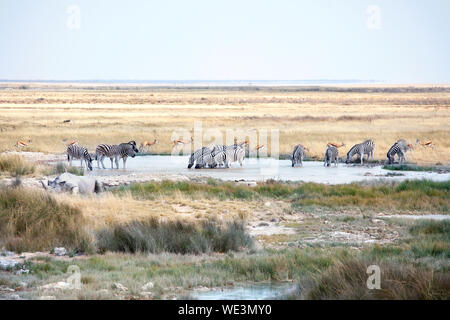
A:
[409,195]
[410,269]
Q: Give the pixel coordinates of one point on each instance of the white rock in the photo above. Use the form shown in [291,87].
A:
[47,298]
[267,204]
[22,271]
[61,285]
[146,294]
[103,291]
[148,286]
[120,287]
[14,297]
[5,264]
[60,251]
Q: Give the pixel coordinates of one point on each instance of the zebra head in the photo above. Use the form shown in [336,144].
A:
[89,161]
[133,148]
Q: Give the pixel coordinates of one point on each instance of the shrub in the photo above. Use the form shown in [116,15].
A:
[34,220]
[173,236]
[16,165]
[400,281]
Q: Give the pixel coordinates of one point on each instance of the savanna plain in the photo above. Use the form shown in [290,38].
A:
[169,239]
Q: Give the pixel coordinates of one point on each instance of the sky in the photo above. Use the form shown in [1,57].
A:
[401,41]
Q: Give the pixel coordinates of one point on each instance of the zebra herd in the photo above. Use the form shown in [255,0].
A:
[113,152]
[223,156]
[218,155]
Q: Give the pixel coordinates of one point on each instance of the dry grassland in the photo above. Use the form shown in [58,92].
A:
[311,116]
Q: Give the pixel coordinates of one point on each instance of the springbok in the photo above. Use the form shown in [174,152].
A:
[181,142]
[425,144]
[22,143]
[336,145]
[147,144]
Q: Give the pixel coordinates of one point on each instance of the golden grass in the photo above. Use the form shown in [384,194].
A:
[109,209]
[310,118]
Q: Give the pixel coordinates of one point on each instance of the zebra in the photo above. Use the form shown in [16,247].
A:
[399,148]
[235,153]
[201,158]
[361,149]
[74,151]
[219,154]
[115,152]
[298,154]
[331,154]
[395,150]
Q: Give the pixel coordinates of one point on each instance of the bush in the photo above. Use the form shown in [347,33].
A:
[34,220]
[400,281]
[173,236]
[16,165]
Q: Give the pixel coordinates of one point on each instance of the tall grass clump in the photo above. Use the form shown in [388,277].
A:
[399,281]
[16,165]
[33,220]
[173,236]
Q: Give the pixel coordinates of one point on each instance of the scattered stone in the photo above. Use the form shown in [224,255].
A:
[146,294]
[120,287]
[61,285]
[263,224]
[148,286]
[22,271]
[7,264]
[60,251]
[267,204]
[274,220]
[15,297]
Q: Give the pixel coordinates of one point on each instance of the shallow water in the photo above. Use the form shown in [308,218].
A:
[263,169]
[257,291]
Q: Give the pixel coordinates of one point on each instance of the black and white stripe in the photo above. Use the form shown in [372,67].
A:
[234,153]
[74,151]
[297,155]
[123,150]
[201,157]
[331,155]
[366,147]
[395,150]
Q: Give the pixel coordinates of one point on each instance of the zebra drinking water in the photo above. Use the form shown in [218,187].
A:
[74,151]
[331,155]
[399,148]
[201,157]
[298,154]
[123,150]
[235,153]
[361,149]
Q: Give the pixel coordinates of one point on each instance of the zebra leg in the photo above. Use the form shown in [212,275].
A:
[362,156]
[102,159]
[70,160]
[124,162]
[112,167]
[116,159]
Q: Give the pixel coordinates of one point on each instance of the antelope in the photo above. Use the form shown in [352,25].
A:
[336,145]
[425,144]
[259,147]
[181,142]
[147,144]
[22,143]
[69,143]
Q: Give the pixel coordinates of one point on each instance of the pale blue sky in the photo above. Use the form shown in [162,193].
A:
[225,40]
